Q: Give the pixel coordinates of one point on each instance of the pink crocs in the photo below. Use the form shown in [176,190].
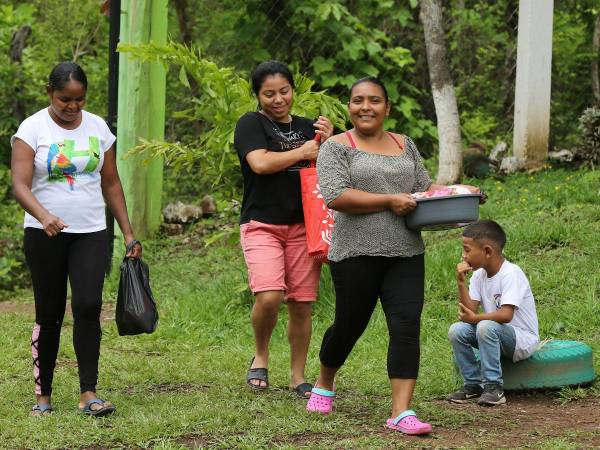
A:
[321,401]
[408,423]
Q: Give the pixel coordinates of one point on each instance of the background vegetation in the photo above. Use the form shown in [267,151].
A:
[332,42]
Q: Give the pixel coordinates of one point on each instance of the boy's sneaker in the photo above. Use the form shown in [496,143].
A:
[493,395]
[467,393]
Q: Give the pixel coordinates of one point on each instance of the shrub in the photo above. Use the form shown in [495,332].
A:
[588,149]
[13,271]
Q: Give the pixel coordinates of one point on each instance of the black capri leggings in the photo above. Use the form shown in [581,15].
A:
[82,258]
[359,281]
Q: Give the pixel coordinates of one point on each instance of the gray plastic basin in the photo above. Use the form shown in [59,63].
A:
[442,213]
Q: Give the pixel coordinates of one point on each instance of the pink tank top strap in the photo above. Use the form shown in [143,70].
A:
[400,144]
[349,136]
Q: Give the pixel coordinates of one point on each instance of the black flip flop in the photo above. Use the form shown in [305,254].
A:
[302,389]
[258,373]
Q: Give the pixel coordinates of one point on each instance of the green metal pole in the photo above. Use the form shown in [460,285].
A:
[141,112]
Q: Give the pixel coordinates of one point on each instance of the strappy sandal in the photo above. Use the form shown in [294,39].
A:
[258,373]
[303,390]
[105,409]
[45,409]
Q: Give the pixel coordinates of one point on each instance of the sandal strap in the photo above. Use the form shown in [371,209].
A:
[408,412]
[303,388]
[95,401]
[323,392]
[258,373]
[42,408]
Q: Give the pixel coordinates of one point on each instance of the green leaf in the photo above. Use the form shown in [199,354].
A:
[353,48]
[347,81]
[321,64]
[183,77]
[337,11]
[373,48]
[329,80]
[400,56]
[369,69]
[260,55]
[390,123]
[393,93]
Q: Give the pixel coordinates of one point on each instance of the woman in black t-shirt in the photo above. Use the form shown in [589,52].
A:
[272,146]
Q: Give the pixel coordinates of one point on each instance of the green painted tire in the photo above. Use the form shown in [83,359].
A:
[557,364]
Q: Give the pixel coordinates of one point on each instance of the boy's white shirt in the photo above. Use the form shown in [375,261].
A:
[509,287]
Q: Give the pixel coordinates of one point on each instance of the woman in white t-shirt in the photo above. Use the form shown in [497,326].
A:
[63,169]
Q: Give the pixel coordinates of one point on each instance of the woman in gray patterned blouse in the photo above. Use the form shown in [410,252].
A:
[367,175]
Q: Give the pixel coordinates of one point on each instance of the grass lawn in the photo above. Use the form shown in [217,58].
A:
[183,386]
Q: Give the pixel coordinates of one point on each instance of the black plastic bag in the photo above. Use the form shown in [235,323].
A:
[136,309]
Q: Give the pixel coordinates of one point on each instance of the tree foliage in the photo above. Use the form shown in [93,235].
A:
[588,150]
[82,36]
[222,97]
[333,43]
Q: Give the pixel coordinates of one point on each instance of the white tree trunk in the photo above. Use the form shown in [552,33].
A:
[442,88]
[532,87]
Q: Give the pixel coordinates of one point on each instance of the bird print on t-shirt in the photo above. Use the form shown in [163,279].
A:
[62,165]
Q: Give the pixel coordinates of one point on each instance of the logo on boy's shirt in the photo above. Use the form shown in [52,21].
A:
[498,300]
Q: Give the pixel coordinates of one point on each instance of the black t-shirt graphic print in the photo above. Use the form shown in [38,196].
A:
[273,198]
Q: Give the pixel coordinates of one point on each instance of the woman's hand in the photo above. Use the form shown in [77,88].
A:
[401,204]
[133,248]
[52,225]
[309,150]
[324,128]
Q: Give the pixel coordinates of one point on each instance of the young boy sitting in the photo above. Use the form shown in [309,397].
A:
[508,325]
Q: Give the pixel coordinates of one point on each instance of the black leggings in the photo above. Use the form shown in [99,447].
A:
[358,282]
[82,258]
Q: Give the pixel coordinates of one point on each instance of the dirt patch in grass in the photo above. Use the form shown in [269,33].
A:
[301,439]
[194,442]
[198,441]
[526,421]
[10,307]
[166,388]
[63,363]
